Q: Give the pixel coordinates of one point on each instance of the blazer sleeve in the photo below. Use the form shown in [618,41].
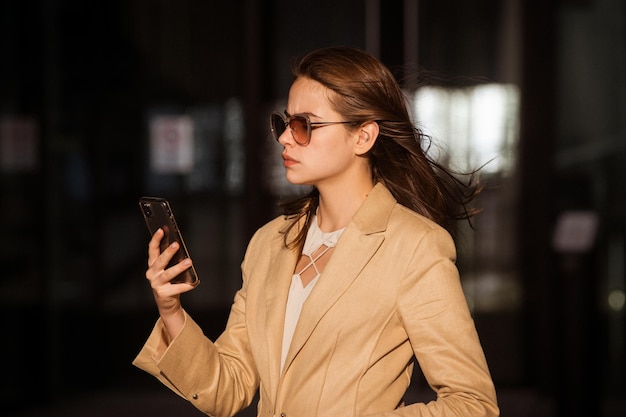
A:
[442,333]
[218,378]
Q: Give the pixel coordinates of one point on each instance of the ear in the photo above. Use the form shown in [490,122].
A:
[367,135]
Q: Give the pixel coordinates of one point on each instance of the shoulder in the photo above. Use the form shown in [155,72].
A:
[264,238]
[273,226]
[381,213]
[271,230]
[403,218]
[404,223]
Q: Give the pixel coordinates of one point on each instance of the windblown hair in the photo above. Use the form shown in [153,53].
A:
[362,89]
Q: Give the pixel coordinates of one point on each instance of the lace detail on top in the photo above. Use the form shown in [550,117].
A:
[298,293]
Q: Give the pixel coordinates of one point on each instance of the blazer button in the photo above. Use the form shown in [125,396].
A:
[283,415]
[194,396]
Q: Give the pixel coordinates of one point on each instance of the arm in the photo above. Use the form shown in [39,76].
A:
[443,336]
[218,378]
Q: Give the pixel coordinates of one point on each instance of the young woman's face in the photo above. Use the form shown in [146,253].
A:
[329,157]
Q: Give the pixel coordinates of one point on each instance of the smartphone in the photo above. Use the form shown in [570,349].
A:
[158,214]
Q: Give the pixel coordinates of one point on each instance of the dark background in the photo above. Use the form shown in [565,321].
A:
[74,304]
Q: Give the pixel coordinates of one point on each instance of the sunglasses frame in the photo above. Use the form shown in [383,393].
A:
[310,126]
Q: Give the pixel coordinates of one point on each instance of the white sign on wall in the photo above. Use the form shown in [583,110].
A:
[575,231]
[171,144]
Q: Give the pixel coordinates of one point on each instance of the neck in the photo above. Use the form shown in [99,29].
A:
[337,206]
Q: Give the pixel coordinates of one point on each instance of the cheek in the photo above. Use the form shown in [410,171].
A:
[329,150]
[333,161]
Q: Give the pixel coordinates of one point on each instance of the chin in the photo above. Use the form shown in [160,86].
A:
[291,179]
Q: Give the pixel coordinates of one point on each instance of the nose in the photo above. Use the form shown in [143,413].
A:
[286,138]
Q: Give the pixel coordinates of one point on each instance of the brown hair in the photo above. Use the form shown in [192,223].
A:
[363,90]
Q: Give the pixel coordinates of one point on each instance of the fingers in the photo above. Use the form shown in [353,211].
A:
[162,259]
[154,247]
[158,270]
[168,292]
[168,274]
[160,280]
[158,273]
[159,259]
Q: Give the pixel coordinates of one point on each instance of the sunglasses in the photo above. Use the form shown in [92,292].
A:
[299,124]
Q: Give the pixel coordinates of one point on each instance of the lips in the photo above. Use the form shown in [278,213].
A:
[288,161]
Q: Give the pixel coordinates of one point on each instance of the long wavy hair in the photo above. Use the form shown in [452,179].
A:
[363,89]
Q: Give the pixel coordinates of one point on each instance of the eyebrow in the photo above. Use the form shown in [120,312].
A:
[302,114]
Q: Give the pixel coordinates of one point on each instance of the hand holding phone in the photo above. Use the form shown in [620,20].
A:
[157,213]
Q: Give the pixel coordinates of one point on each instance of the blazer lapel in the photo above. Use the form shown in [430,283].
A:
[283,263]
[358,243]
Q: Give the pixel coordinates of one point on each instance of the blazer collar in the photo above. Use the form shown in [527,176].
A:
[374,213]
[371,217]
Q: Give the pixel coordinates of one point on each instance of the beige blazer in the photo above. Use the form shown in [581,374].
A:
[389,293]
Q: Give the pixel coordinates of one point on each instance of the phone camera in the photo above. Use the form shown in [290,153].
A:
[147,211]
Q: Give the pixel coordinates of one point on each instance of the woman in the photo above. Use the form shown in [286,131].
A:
[356,280]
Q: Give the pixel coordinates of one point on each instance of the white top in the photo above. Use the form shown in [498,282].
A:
[298,294]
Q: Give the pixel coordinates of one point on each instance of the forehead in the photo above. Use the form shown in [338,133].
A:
[308,96]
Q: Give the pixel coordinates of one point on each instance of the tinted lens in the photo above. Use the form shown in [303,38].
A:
[277,125]
[299,128]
